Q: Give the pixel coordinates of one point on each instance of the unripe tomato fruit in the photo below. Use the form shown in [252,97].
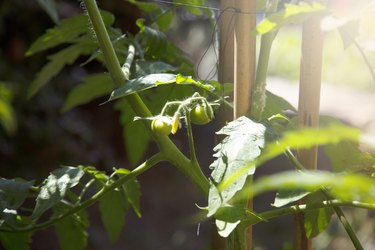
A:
[161,125]
[201,114]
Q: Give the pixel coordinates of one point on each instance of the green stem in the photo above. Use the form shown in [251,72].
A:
[121,181]
[259,92]
[348,228]
[193,155]
[305,207]
[105,43]
[340,214]
[128,62]
[166,146]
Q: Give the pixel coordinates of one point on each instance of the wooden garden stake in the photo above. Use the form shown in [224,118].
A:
[244,76]
[308,107]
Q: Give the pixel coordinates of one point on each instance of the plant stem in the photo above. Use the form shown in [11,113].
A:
[193,156]
[121,181]
[305,207]
[259,91]
[105,43]
[128,62]
[166,146]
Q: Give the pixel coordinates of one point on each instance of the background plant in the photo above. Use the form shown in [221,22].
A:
[237,156]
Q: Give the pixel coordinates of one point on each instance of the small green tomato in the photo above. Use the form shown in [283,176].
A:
[162,125]
[201,114]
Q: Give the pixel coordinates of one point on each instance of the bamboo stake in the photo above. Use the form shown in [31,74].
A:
[244,74]
[244,55]
[308,107]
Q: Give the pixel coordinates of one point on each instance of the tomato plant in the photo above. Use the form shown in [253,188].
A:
[152,84]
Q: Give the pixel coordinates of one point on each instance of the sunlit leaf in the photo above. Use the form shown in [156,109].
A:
[241,146]
[341,186]
[290,14]
[316,221]
[143,67]
[93,86]
[142,83]
[113,207]
[7,114]
[284,197]
[55,187]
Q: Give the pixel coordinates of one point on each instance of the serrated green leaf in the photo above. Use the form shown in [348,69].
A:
[141,84]
[345,187]
[239,149]
[15,241]
[143,67]
[113,207]
[136,136]
[66,31]
[13,193]
[55,187]
[133,195]
[308,137]
[93,86]
[275,105]
[92,171]
[50,7]
[316,221]
[285,197]
[71,231]
[290,14]
[57,62]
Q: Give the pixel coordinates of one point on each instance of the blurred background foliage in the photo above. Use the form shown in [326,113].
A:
[37,137]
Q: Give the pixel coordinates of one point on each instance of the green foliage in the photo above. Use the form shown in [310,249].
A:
[15,241]
[71,231]
[93,86]
[290,14]
[241,146]
[55,187]
[7,115]
[113,207]
[316,221]
[345,187]
[13,193]
[285,197]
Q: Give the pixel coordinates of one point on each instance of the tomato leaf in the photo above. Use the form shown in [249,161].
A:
[15,241]
[71,231]
[66,31]
[93,86]
[285,197]
[55,188]
[13,193]
[57,61]
[290,14]
[316,220]
[241,146]
[345,187]
[133,194]
[113,207]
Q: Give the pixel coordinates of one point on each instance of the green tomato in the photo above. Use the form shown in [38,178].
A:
[162,125]
[201,114]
